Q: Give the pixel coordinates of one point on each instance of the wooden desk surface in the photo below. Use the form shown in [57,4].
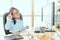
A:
[47,36]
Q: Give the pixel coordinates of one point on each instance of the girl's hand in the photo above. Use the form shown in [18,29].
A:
[10,16]
[27,27]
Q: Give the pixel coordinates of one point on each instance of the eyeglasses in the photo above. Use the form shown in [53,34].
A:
[15,13]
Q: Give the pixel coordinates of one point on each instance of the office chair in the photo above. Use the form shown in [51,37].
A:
[4,22]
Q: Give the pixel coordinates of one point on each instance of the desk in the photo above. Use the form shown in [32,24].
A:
[47,36]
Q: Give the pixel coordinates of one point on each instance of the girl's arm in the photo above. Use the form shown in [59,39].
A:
[24,28]
[8,23]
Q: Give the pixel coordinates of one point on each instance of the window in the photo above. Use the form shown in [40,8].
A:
[50,1]
[4,6]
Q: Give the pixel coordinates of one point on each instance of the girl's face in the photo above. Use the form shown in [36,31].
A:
[17,15]
[14,11]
